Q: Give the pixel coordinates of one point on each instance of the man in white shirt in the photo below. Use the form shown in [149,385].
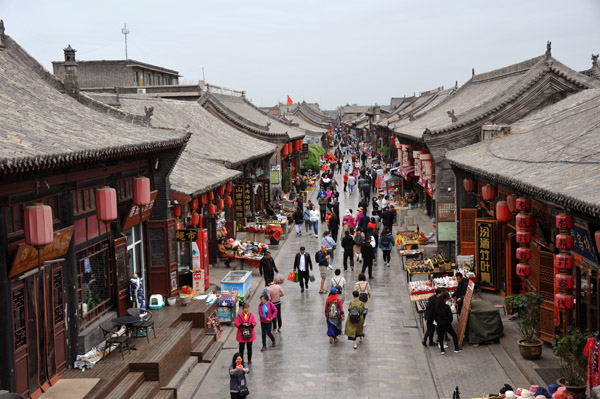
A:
[351,183]
[301,265]
[315,216]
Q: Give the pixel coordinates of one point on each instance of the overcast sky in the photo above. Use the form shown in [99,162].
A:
[330,52]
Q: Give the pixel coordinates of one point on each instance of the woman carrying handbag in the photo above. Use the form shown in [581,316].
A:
[245,323]
[238,387]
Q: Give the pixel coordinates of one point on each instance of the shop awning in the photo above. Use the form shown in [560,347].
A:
[391,179]
[407,172]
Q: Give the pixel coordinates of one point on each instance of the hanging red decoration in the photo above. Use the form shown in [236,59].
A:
[106,204]
[523,237]
[469,185]
[220,204]
[523,204]
[565,242]
[597,236]
[38,226]
[211,195]
[229,187]
[564,222]
[228,200]
[564,301]
[284,150]
[488,192]
[523,253]
[176,211]
[564,281]
[523,221]
[511,200]
[141,190]
[564,261]
[203,200]
[503,214]
[195,219]
[212,209]
[194,204]
[523,270]
[221,191]
[290,148]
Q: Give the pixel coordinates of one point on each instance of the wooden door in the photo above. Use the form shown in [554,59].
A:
[20,337]
[59,319]
[163,276]
[513,282]
[467,231]
[122,275]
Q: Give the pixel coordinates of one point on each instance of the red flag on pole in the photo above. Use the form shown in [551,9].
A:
[289,102]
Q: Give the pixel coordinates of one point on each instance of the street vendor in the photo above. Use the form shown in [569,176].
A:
[460,291]
[269,209]
[224,253]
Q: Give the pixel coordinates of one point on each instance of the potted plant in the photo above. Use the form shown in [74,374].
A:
[527,307]
[573,364]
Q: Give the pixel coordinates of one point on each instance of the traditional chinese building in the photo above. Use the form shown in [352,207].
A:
[59,152]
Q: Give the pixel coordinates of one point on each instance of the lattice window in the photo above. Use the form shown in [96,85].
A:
[59,306]
[546,276]
[19,318]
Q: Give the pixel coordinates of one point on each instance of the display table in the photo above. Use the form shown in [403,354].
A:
[485,324]
[252,261]
[410,254]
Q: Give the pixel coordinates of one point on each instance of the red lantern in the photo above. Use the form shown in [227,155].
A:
[488,192]
[290,148]
[564,261]
[469,185]
[523,270]
[203,200]
[229,187]
[221,191]
[194,204]
[212,209]
[141,190]
[565,242]
[564,301]
[523,221]
[564,222]
[220,204]
[523,204]
[503,214]
[176,211]
[511,200]
[284,150]
[523,253]
[564,281]
[195,219]
[597,236]
[211,196]
[106,204]
[228,200]
[38,226]
[523,237]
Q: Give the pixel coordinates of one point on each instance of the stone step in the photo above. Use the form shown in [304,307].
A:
[193,381]
[126,388]
[181,374]
[203,346]
[196,335]
[212,352]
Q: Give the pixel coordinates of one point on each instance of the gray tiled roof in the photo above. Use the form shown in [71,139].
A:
[486,93]
[243,113]
[308,127]
[354,109]
[418,106]
[42,127]
[314,114]
[553,154]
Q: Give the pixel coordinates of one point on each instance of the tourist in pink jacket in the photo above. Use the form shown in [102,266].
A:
[266,312]
[349,219]
[275,292]
[245,323]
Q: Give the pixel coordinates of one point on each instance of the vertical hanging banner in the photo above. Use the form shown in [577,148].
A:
[484,253]
[238,199]
[247,197]
[267,191]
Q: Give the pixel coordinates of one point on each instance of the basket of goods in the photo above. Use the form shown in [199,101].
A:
[185,297]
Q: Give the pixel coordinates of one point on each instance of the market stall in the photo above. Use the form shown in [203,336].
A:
[410,239]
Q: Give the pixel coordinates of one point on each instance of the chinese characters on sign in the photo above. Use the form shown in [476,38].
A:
[138,214]
[445,212]
[267,191]
[187,235]
[238,199]
[247,197]
[485,252]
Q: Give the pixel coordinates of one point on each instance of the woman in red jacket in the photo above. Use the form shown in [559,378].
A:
[245,323]
[334,314]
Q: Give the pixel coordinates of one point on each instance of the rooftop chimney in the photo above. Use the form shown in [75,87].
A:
[1,34]
[70,81]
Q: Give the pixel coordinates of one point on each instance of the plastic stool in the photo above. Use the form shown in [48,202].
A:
[498,307]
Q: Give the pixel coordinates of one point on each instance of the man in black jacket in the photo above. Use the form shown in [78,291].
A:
[301,264]
[334,226]
[429,308]
[366,251]
[460,292]
[348,245]
[387,218]
[267,268]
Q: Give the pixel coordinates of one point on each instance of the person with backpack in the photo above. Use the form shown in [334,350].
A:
[245,323]
[339,283]
[354,324]
[274,293]
[359,238]
[334,314]
[364,293]
[266,312]
[386,243]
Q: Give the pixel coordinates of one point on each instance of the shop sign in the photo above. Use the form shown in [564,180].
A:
[196,265]
[275,174]
[247,197]
[445,212]
[484,252]
[267,191]
[138,214]
[446,231]
[187,235]
[584,243]
[238,199]
[173,281]
[27,256]
[304,148]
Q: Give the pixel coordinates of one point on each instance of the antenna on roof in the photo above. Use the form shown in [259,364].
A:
[548,49]
[125,32]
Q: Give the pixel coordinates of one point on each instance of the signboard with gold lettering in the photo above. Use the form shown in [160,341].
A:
[187,235]
[27,256]
[139,214]
[238,200]
[267,191]
[248,197]
[485,253]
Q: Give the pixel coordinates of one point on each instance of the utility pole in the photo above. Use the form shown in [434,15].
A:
[125,32]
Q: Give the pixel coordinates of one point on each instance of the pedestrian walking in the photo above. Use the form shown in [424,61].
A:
[334,225]
[359,239]
[364,293]
[348,218]
[351,183]
[245,323]
[354,324]
[339,283]
[359,214]
[266,312]
[323,201]
[315,216]
[387,218]
[322,259]
[307,222]
[348,246]
[334,314]
[367,252]
[267,268]
[238,386]
[298,220]
[443,317]
[429,319]
[345,178]
[329,243]
[302,264]
[386,243]
[274,293]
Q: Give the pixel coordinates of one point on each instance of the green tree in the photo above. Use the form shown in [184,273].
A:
[315,152]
